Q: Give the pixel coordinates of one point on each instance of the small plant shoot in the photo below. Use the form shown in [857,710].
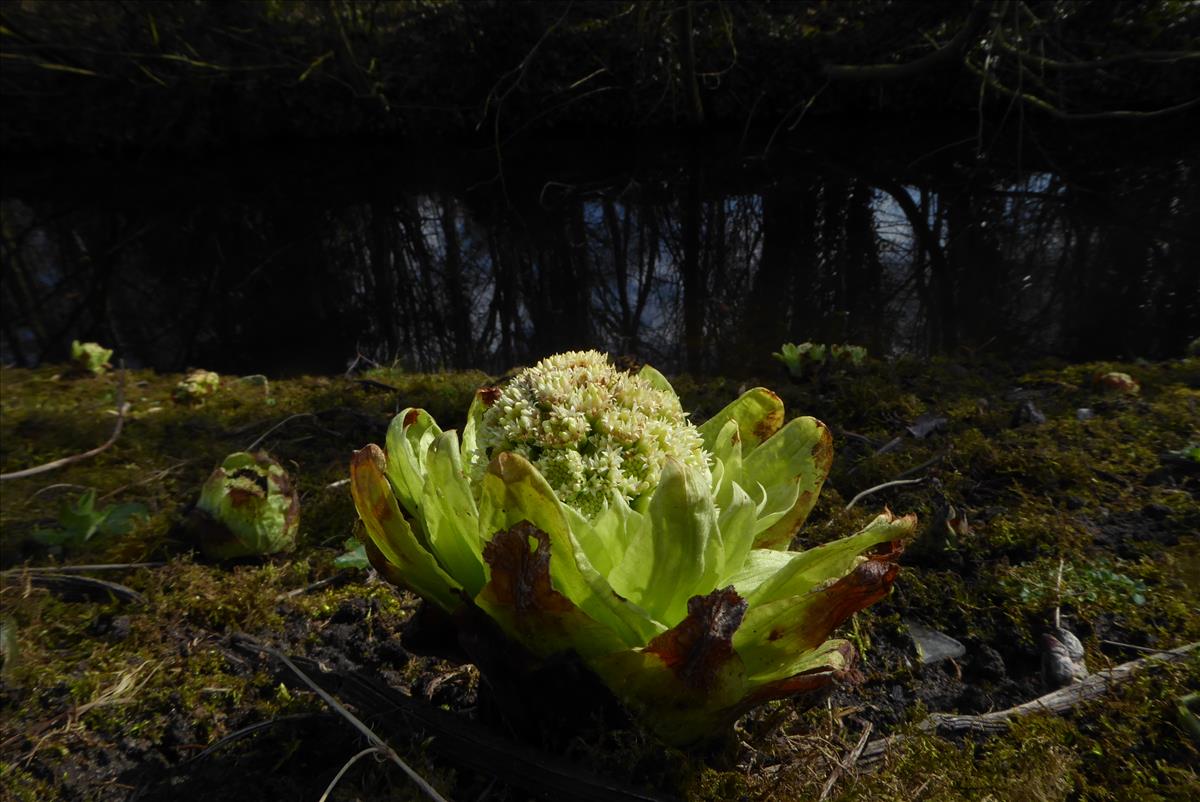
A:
[90,358]
[248,508]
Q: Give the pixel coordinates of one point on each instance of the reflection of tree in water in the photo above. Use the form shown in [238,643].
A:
[435,280]
[975,178]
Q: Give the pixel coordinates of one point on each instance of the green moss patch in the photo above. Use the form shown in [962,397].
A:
[1081,513]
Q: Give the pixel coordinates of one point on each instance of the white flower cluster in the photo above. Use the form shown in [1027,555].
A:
[589,428]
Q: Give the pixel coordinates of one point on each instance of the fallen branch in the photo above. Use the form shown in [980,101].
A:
[72,587]
[154,477]
[1056,702]
[1049,108]
[271,431]
[377,743]
[77,569]
[884,486]
[257,726]
[468,744]
[929,463]
[949,53]
[337,778]
[122,411]
[378,385]
[337,579]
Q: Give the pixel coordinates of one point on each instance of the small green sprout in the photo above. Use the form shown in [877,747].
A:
[798,358]
[354,556]
[582,512]
[196,386]
[248,508]
[1118,383]
[80,521]
[806,357]
[1189,453]
[853,355]
[90,357]
[1093,586]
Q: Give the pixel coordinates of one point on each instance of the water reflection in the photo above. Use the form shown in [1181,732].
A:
[678,267]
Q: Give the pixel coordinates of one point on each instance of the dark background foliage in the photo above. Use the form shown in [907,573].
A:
[284,186]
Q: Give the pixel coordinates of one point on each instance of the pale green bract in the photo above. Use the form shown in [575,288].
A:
[659,556]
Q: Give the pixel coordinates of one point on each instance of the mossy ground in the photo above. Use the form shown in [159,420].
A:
[106,700]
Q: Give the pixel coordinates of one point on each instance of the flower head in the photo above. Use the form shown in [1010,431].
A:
[589,428]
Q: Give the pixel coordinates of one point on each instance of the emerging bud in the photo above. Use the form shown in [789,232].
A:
[250,508]
[197,385]
[90,357]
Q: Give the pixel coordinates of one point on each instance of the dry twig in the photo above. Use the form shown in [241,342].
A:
[1059,701]
[78,569]
[376,742]
[370,750]
[270,431]
[884,486]
[847,763]
[466,743]
[122,411]
[70,586]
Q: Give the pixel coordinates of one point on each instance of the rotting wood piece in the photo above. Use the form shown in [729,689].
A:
[463,742]
[1056,702]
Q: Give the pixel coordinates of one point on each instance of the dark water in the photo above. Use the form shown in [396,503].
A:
[705,261]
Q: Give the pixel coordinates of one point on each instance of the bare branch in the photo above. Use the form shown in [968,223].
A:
[1059,114]
[951,52]
[1148,56]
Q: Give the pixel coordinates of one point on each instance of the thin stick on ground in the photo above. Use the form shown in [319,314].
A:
[237,735]
[337,777]
[929,463]
[1058,701]
[75,586]
[79,569]
[884,486]
[122,411]
[270,431]
[465,743]
[1058,596]
[154,477]
[377,742]
[847,763]
[1135,647]
[57,486]
[336,579]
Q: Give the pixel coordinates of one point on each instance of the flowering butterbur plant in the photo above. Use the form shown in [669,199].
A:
[582,512]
